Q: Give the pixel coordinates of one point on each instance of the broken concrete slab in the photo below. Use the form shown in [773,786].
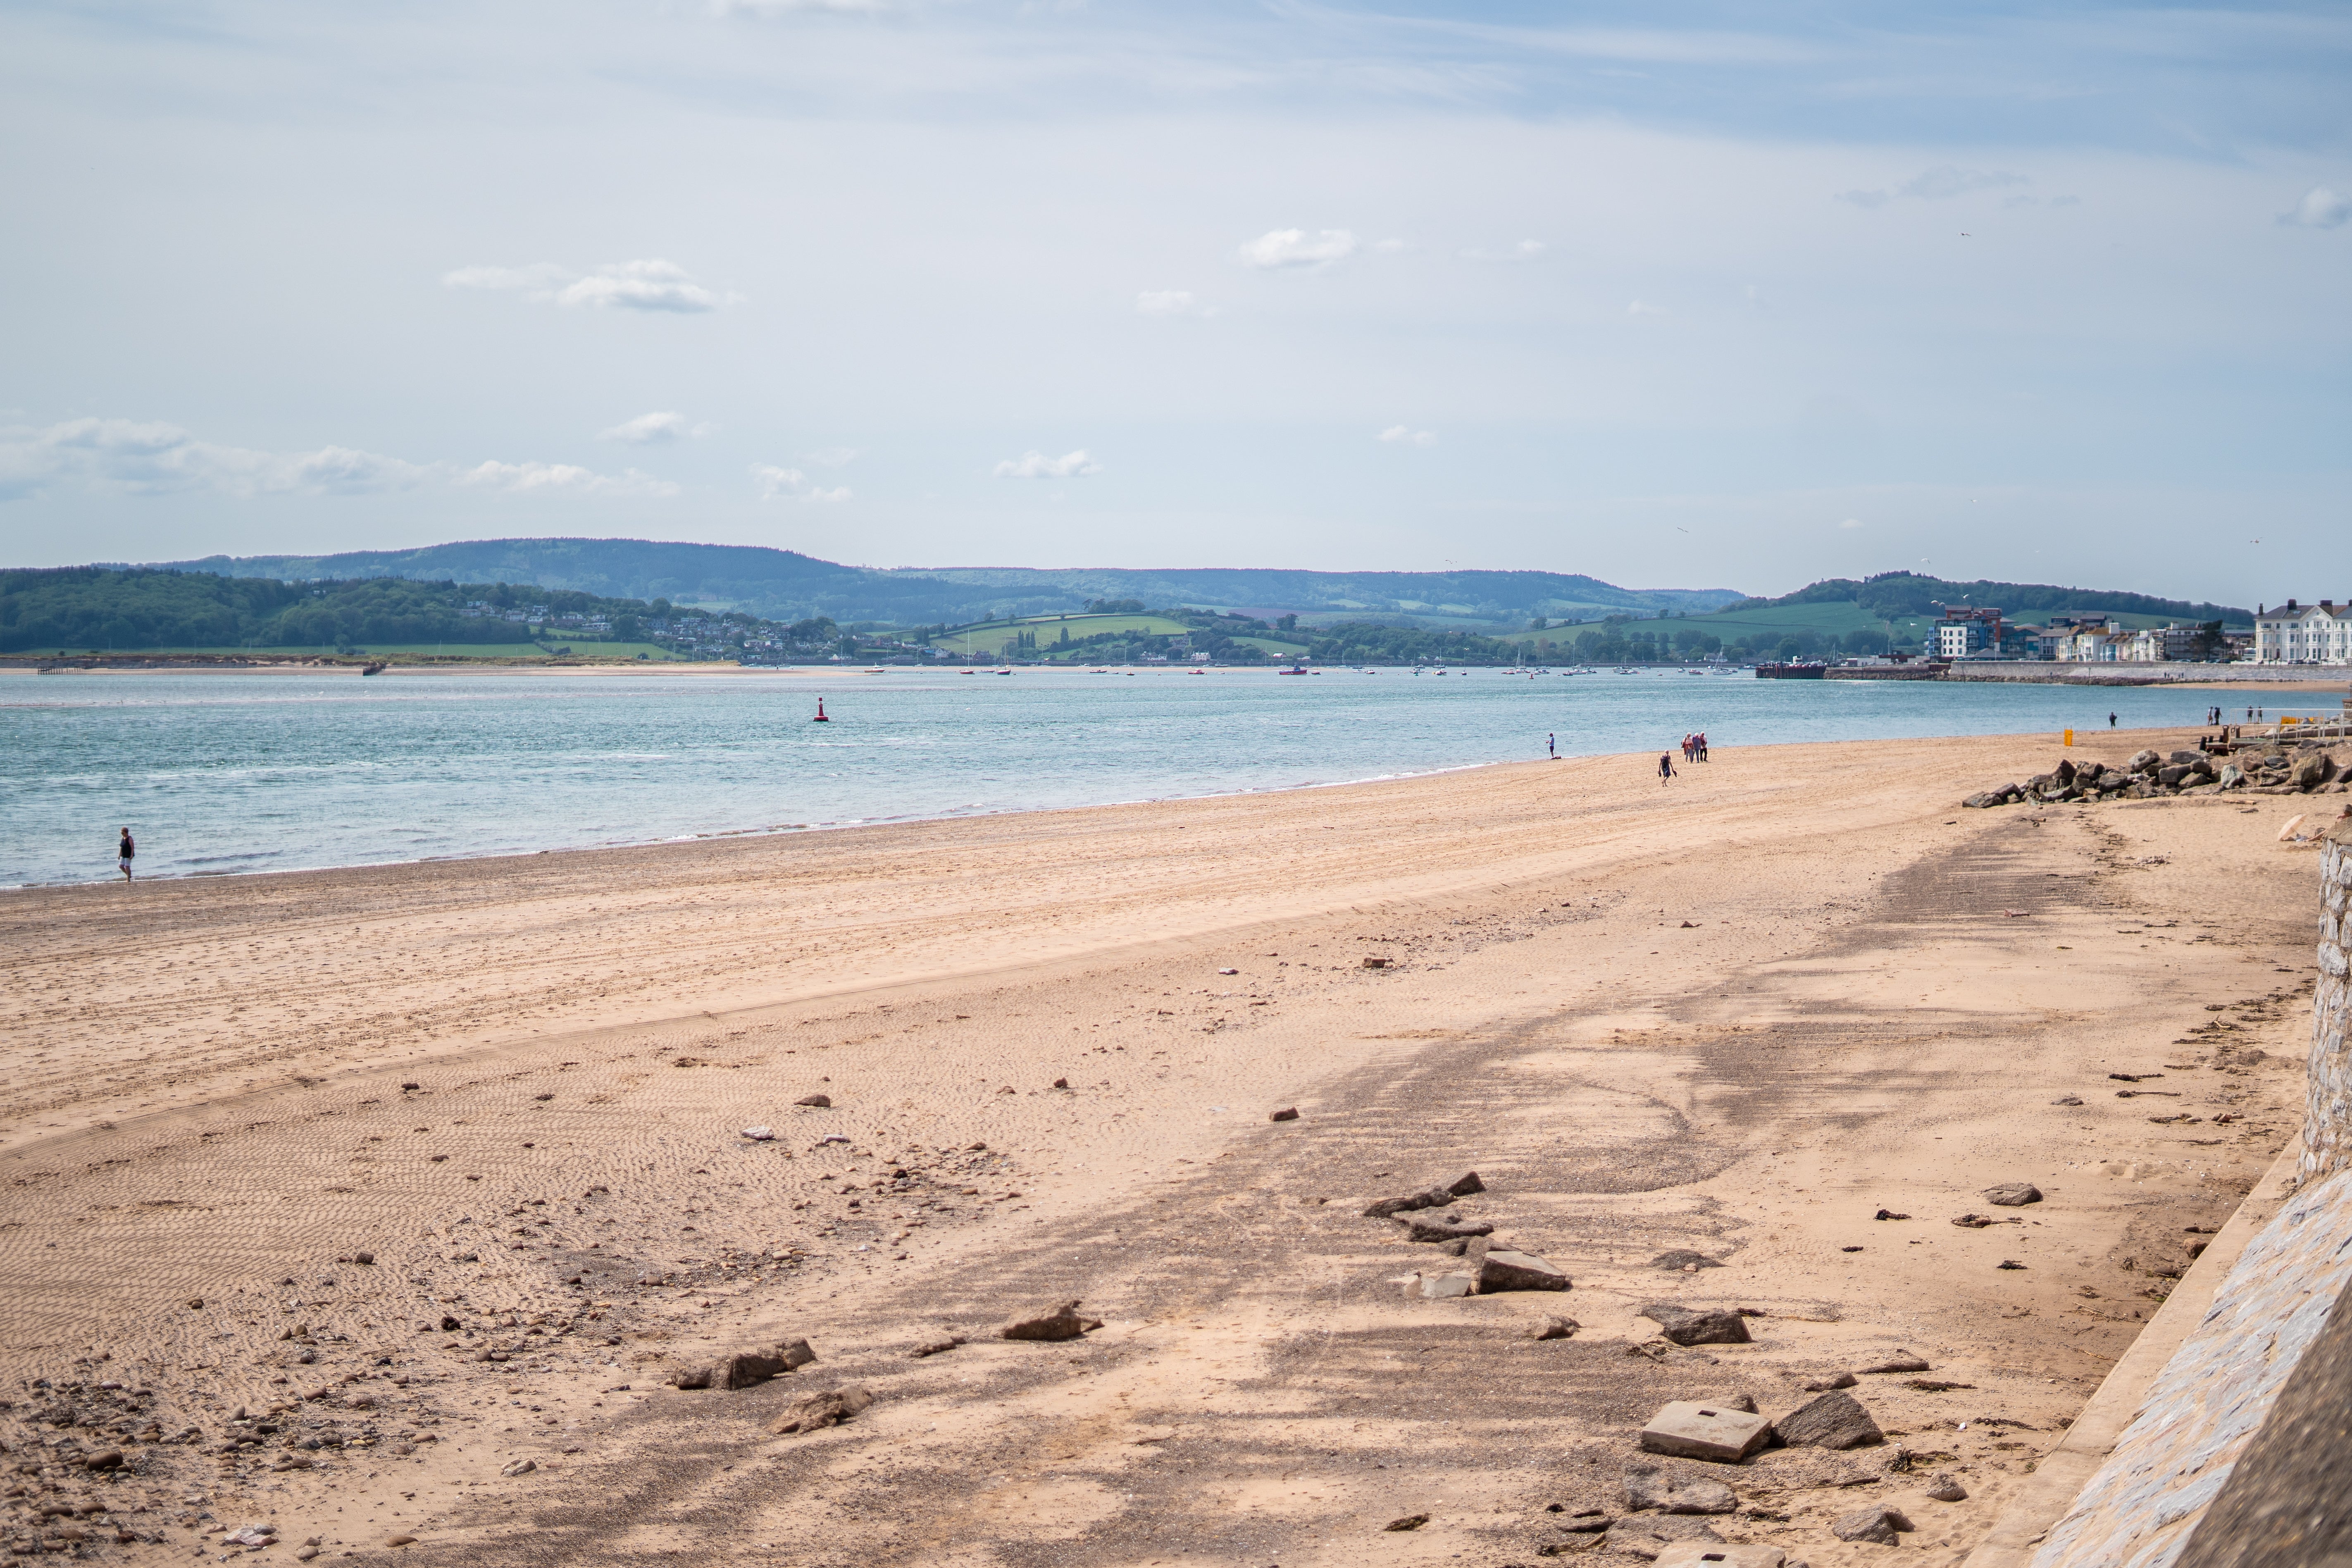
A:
[1700,1326]
[1832,1421]
[1502,1271]
[1058,1323]
[1650,1536]
[1690,1430]
[1701,1554]
[1424,1226]
[1651,1487]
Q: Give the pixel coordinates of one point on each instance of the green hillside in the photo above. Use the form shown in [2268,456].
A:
[787,585]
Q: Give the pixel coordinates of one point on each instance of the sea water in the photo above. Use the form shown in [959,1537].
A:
[228,772]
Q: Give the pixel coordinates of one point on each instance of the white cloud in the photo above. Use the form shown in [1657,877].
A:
[652,429]
[1639,309]
[1851,523]
[1171,302]
[1403,436]
[1525,250]
[2320,208]
[1284,248]
[151,459]
[791,484]
[562,478]
[1037,465]
[650,284]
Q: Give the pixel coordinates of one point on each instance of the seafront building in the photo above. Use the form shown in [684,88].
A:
[2304,634]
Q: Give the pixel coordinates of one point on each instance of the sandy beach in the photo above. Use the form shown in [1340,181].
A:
[1053,1043]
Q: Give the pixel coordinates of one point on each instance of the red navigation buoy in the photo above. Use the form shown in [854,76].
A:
[820,718]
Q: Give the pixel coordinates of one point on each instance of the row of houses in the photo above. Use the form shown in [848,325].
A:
[1981,632]
[2291,633]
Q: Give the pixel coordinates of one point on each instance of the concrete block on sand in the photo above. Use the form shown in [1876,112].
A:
[1700,1554]
[1694,1431]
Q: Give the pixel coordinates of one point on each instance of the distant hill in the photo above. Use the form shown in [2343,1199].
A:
[786,584]
[1897,595]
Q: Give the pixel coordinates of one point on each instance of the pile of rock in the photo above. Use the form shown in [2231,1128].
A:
[1484,1270]
[2149,774]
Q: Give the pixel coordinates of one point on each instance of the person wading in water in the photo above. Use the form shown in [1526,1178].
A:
[124,852]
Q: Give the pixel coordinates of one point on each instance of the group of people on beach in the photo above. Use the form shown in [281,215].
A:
[1694,751]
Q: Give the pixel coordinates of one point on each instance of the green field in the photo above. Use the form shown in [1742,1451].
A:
[990,641]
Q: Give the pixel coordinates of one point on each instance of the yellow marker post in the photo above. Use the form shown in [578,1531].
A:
[2070,737]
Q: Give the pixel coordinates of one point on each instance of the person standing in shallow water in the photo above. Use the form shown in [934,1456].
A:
[124,852]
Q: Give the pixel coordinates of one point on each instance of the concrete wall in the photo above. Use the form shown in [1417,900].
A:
[2123,673]
[2200,1414]
[2327,1122]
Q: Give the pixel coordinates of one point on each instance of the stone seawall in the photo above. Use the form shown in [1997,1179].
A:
[2048,673]
[2257,1384]
[2327,1122]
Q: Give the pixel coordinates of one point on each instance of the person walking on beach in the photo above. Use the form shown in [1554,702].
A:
[124,852]
[1551,746]
[1702,745]
[2110,721]
[1665,766]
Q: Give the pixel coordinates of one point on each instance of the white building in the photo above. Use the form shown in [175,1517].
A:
[2095,643]
[2304,634]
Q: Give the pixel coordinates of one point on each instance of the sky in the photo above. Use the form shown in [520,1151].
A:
[1679,295]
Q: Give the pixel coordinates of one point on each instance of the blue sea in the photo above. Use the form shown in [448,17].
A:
[224,773]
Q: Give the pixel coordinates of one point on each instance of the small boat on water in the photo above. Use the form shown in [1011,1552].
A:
[1006,670]
[877,669]
[1294,669]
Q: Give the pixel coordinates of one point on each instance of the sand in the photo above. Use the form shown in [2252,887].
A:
[1860,998]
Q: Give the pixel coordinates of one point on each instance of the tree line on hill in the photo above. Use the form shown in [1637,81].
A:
[81,610]
[1893,595]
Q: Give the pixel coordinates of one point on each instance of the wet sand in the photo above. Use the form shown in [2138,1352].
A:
[1861,999]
